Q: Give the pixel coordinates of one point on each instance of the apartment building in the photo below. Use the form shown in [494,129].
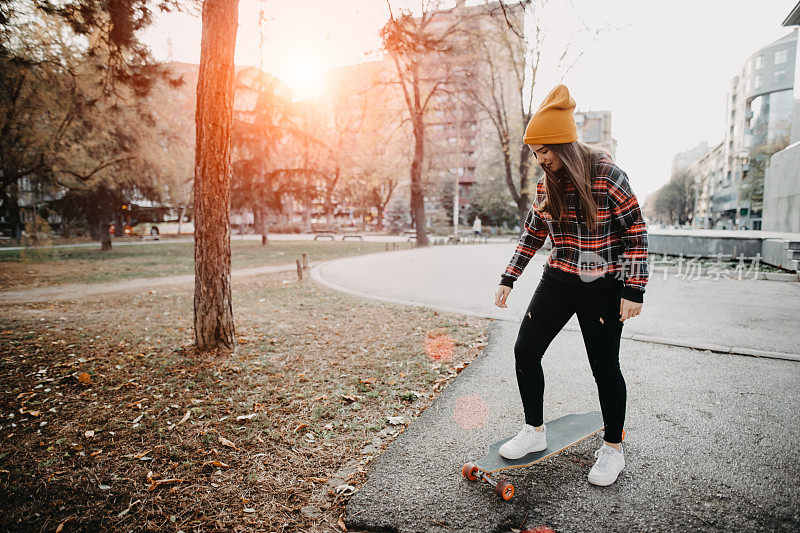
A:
[594,129]
[707,170]
[782,177]
[759,110]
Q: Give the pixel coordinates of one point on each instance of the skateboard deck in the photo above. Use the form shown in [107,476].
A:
[561,434]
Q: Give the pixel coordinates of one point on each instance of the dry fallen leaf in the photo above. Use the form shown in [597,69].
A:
[345,489]
[226,442]
[84,378]
[60,527]
[216,463]
[158,482]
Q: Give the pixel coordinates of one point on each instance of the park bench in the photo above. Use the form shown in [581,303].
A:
[322,231]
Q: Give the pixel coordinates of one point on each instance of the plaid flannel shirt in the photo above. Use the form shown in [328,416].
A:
[616,252]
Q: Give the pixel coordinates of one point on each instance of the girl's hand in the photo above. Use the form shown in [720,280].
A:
[628,309]
[501,295]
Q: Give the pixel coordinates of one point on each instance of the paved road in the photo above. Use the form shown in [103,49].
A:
[713,439]
[748,314]
[711,444]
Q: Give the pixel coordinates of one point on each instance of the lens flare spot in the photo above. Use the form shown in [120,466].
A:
[439,346]
[471,412]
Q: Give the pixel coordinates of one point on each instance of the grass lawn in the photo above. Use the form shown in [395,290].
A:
[109,421]
[36,267]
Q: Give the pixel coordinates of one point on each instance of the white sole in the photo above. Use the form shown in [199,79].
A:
[602,482]
[523,455]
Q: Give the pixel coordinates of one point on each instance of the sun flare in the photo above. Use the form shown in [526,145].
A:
[303,74]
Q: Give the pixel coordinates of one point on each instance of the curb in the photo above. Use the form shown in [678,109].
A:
[704,274]
[316,275]
[716,348]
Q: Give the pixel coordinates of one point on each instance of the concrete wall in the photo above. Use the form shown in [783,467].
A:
[782,191]
[693,246]
[781,252]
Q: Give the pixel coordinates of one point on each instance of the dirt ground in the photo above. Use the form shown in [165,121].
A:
[109,421]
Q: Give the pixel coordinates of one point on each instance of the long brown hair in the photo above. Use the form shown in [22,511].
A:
[579,162]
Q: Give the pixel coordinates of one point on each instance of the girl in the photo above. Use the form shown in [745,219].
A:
[597,268]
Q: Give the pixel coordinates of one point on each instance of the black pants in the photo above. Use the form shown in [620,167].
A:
[553,304]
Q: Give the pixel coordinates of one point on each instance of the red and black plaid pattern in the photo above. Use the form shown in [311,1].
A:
[617,249]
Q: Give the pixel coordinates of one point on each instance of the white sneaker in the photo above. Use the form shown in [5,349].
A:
[610,463]
[526,441]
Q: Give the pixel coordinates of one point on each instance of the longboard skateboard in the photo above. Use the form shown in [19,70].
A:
[561,434]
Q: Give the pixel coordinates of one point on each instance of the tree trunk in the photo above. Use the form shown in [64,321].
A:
[12,201]
[262,225]
[66,228]
[328,206]
[213,306]
[379,226]
[119,225]
[306,215]
[180,218]
[417,194]
[105,236]
[524,201]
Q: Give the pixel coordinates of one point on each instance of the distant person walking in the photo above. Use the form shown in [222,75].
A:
[476,227]
[597,269]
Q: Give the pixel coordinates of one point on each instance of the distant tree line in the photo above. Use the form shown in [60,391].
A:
[93,127]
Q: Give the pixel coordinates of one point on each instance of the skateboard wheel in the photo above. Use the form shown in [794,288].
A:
[504,489]
[468,471]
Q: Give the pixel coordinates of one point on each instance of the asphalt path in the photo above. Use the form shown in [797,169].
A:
[712,439]
[711,444]
[751,316]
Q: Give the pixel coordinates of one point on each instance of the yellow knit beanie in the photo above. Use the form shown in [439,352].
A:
[554,121]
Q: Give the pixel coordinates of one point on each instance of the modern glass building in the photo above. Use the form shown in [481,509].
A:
[759,112]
